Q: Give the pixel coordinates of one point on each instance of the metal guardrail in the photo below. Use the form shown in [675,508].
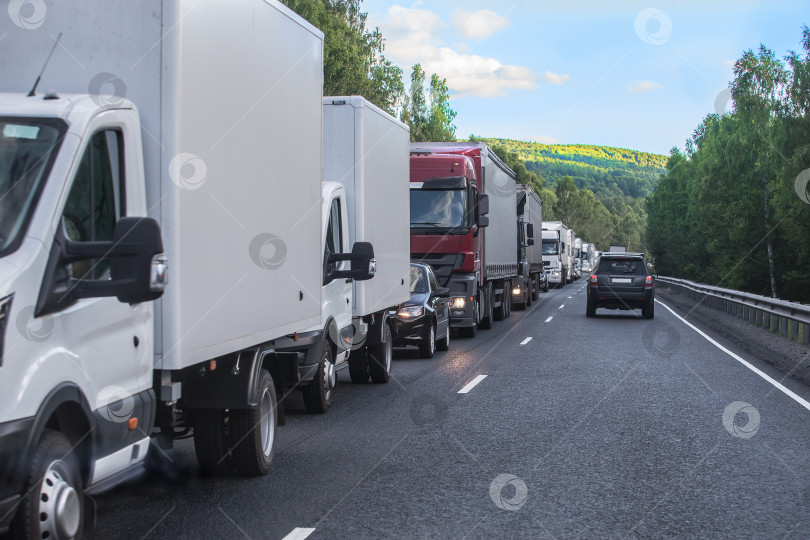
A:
[788,319]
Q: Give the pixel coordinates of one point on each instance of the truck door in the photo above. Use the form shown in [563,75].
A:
[110,341]
[337,295]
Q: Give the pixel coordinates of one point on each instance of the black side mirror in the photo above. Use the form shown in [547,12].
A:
[363,264]
[481,210]
[138,268]
[530,242]
[530,232]
[441,292]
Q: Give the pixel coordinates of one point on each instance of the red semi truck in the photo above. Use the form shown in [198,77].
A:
[463,220]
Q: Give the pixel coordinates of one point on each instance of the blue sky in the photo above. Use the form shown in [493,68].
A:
[626,73]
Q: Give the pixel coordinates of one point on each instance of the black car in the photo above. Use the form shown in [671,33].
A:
[424,320]
[621,281]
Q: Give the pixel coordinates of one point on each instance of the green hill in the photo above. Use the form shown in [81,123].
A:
[602,169]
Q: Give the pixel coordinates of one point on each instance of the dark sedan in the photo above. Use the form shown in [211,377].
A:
[424,319]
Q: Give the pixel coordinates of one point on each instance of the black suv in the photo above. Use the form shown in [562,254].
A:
[621,281]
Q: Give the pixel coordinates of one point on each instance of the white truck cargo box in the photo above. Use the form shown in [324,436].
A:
[228,123]
[367,150]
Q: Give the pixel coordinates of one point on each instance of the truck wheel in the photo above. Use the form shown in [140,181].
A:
[648,311]
[211,441]
[590,309]
[501,312]
[428,344]
[358,366]
[380,356]
[253,430]
[535,289]
[545,287]
[318,393]
[53,505]
[486,321]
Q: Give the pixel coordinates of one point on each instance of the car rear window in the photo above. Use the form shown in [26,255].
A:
[621,266]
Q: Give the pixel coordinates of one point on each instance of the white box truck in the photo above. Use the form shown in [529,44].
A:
[577,257]
[168,145]
[531,277]
[558,251]
[365,199]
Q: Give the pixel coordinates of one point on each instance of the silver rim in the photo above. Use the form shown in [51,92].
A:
[329,378]
[267,423]
[432,340]
[59,506]
[389,353]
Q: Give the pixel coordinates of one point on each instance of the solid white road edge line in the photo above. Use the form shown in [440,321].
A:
[472,384]
[549,319]
[525,341]
[795,397]
[299,533]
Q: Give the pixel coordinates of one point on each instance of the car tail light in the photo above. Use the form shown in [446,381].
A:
[648,283]
[594,280]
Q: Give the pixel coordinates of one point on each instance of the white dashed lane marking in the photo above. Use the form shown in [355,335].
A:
[472,384]
[549,319]
[525,341]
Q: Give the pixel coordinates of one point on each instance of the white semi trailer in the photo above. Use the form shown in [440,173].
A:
[160,151]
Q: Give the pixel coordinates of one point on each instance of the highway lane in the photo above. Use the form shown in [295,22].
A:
[607,427]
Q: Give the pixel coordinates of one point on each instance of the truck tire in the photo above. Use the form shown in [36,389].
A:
[358,366]
[502,312]
[380,357]
[545,287]
[211,441]
[318,393]
[535,289]
[486,321]
[428,344]
[53,504]
[648,311]
[253,430]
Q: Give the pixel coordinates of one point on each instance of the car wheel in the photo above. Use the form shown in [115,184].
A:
[318,393]
[590,310]
[428,344]
[444,343]
[53,504]
[648,311]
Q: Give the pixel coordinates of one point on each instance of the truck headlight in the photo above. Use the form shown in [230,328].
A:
[410,312]
[516,291]
[458,302]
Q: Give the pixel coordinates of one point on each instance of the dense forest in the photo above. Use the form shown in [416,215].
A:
[733,210]
[598,191]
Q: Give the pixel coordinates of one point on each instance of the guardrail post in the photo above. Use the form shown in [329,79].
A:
[783,326]
[758,317]
[805,334]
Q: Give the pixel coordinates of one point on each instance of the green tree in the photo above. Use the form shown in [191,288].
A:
[428,112]
[354,63]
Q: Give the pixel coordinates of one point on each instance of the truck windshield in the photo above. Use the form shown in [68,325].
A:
[439,208]
[550,247]
[27,150]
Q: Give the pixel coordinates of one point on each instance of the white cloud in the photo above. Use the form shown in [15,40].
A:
[730,63]
[478,24]
[643,86]
[545,139]
[415,35]
[556,78]
[411,34]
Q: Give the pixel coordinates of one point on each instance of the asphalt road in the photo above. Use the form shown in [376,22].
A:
[610,427]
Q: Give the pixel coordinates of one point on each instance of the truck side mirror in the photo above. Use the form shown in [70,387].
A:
[481,210]
[364,266]
[530,242]
[138,267]
[530,232]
